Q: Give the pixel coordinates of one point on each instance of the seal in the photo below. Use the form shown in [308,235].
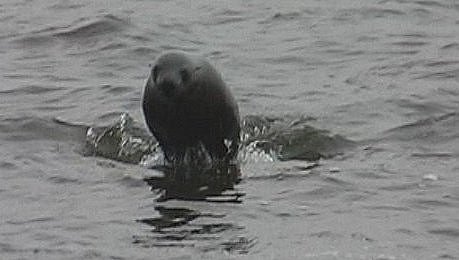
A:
[186,104]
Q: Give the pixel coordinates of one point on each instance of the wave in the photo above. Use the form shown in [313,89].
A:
[34,128]
[101,25]
[434,129]
[83,30]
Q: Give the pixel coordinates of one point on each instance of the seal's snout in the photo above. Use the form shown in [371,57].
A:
[168,87]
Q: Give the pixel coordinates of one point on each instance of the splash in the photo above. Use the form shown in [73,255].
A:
[122,141]
[263,139]
[271,139]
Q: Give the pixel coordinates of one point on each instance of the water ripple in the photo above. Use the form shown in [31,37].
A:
[32,90]
[447,232]
[97,27]
[82,32]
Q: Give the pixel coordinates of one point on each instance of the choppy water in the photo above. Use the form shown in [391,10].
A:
[351,115]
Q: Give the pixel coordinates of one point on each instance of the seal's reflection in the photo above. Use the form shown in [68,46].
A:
[177,226]
[215,184]
[174,227]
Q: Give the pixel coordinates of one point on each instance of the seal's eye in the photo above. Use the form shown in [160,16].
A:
[185,75]
[154,73]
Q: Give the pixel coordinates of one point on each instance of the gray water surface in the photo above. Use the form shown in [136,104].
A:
[381,75]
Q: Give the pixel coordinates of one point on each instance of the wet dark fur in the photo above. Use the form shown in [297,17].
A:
[186,103]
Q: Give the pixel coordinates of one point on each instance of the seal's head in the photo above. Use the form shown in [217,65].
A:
[186,105]
[172,74]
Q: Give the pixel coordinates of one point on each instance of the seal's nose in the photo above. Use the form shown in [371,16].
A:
[167,87]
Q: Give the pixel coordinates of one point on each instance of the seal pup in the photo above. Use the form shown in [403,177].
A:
[186,105]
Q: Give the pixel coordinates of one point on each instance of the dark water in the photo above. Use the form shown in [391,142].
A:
[351,131]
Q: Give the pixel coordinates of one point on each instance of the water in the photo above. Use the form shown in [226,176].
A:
[359,159]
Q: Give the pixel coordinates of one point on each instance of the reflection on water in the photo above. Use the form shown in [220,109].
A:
[187,227]
[176,227]
[215,184]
